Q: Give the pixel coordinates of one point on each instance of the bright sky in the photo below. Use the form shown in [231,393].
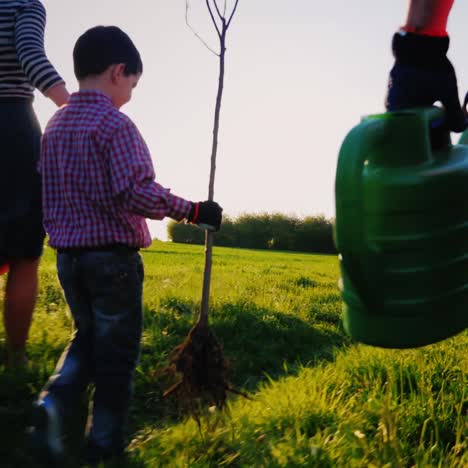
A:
[299,75]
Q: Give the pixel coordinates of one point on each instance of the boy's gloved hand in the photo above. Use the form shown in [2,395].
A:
[206,214]
[422,74]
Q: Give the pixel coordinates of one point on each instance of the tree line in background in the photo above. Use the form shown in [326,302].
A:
[264,231]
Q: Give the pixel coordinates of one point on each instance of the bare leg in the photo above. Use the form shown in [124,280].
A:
[20,299]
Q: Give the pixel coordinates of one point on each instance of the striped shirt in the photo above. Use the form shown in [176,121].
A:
[23,62]
[98,179]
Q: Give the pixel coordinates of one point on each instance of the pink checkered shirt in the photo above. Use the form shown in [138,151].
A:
[98,179]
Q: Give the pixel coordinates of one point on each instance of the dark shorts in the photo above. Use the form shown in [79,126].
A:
[21,231]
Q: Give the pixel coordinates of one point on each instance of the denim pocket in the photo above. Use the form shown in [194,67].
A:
[113,266]
[115,281]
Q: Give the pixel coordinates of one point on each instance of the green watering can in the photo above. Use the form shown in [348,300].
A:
[401,229]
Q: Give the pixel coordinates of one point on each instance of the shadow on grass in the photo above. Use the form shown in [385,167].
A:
[258,343]
[154,251]
[17,391]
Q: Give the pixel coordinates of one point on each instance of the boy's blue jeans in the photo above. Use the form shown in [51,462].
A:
[104,292]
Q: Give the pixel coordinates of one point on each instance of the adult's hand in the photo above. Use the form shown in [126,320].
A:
[422,75]
[58,94]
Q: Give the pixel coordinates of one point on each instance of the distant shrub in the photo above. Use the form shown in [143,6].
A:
[185,233]
[274,231]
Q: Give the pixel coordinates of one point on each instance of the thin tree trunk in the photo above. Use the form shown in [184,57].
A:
[203,318]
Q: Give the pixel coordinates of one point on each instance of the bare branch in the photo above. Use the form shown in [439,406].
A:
[212,16]
[217,10]
[232,14]
[194,32]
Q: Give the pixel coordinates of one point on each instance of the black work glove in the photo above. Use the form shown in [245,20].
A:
[206,214]
[422,74]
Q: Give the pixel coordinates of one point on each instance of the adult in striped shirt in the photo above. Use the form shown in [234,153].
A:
[98,188]
[24,67]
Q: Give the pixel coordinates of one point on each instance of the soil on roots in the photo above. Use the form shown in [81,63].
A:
[202,369]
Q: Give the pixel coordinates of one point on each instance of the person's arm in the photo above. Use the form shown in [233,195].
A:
[58,94]
[422,74]
[428,15]
[29,39]
[132,178]
[132,181]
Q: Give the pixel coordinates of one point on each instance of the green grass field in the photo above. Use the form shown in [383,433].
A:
[318,400]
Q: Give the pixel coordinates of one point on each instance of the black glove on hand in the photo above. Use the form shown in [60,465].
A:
[422,74]
[206,214]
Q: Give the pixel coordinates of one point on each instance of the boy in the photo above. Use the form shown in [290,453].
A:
[98,188]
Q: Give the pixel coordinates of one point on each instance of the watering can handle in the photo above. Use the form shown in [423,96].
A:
[439,128]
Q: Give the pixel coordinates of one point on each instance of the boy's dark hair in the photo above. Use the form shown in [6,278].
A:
[102,46]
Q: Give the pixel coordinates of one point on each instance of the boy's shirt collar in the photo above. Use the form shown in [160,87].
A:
[90,96]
